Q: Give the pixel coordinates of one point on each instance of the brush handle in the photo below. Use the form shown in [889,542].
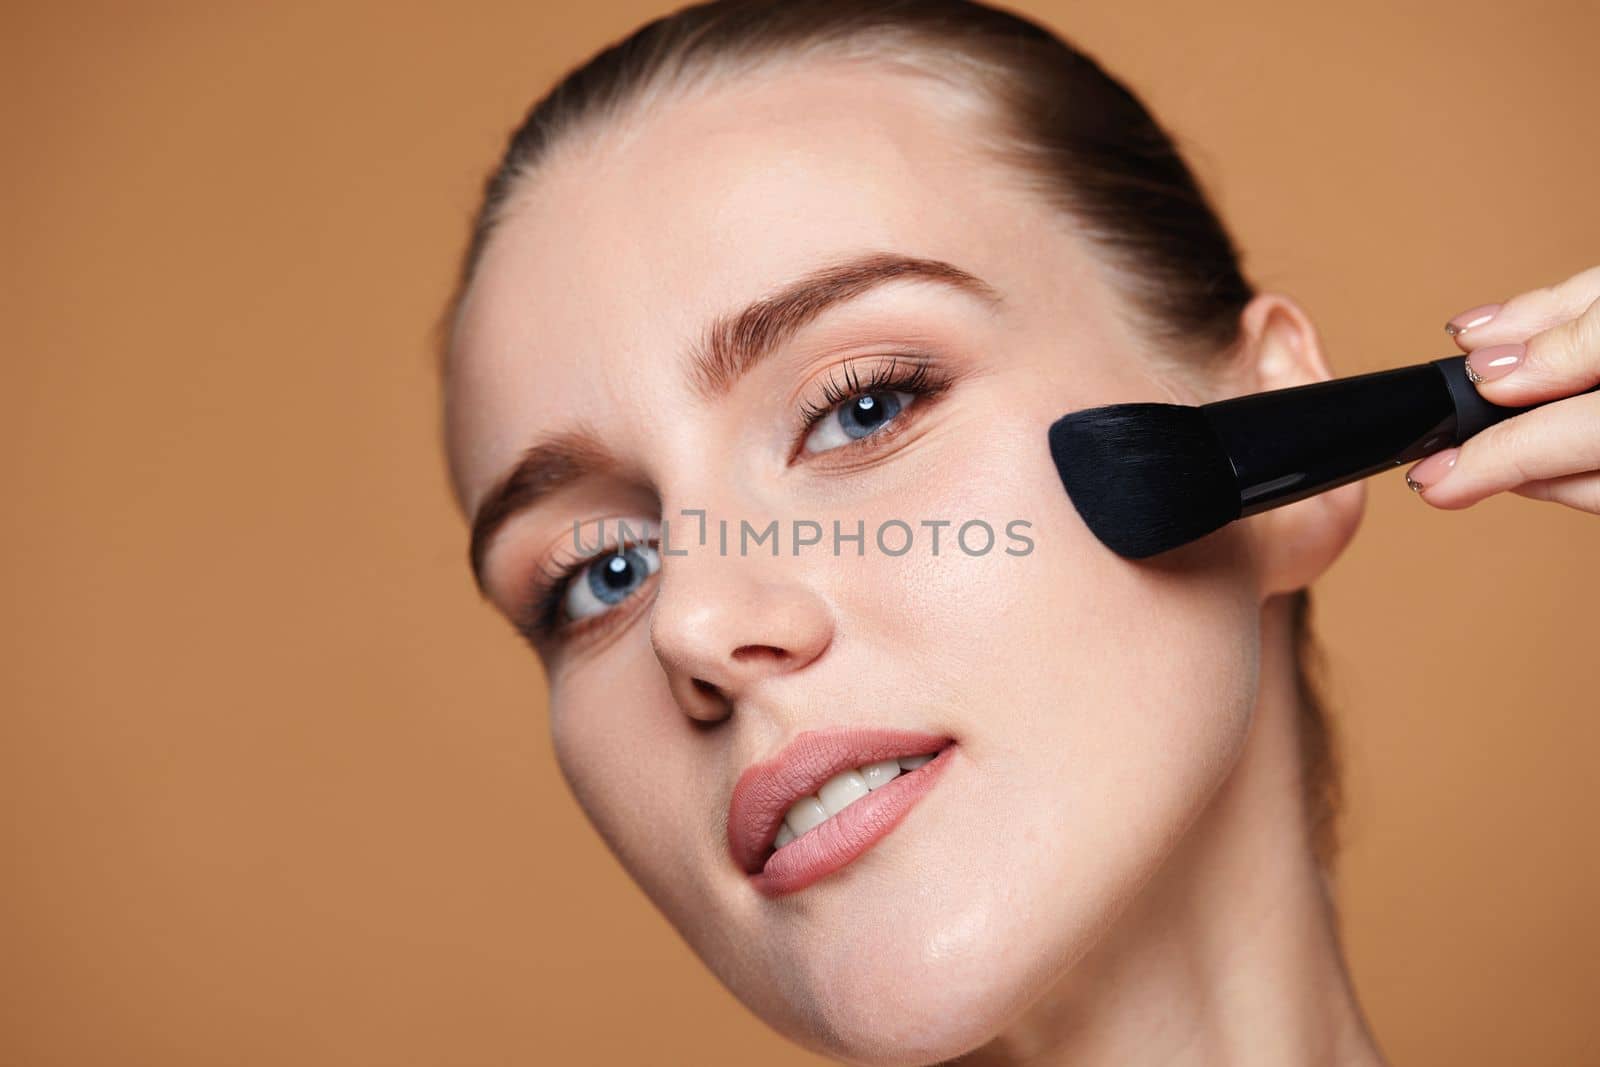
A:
[1288,444]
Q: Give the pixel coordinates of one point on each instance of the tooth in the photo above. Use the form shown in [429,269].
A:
[878,775]
[911,763]
[785,835]
[842,790]
[804,814]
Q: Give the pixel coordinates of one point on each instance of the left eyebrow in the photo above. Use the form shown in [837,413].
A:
[731,346]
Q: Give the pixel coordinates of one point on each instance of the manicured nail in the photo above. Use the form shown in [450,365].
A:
[1429,471]
[1496,361]
[1471,317]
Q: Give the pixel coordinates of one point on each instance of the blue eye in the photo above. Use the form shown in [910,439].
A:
[860,405]
[608,580]
[857,417]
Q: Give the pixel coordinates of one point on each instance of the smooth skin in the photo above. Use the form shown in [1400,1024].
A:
[1115,868]
[1553,452]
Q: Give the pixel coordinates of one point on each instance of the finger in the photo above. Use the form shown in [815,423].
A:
[1581,491]
[1553,441]
[1458,325]
[1525,314]
[1559,362]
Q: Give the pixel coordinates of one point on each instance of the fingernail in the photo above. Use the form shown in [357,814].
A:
[1425,474]
[1471,317]
[1496,361]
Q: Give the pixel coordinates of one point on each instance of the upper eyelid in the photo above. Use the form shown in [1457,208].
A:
[890,366]
[898,352]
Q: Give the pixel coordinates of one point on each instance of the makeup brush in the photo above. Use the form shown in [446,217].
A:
[1147,477]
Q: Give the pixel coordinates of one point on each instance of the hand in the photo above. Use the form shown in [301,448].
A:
[1536,347]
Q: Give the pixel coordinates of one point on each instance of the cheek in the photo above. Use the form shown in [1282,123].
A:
[1108,696]
[650,785]
[623,750]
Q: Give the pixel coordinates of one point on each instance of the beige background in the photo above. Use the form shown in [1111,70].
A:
[276,787]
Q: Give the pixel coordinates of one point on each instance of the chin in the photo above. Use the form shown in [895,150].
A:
[955,961]
[887,1012]
[926,1005]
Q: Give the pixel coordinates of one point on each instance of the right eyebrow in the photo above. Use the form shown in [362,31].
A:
[733,344]
[549,465]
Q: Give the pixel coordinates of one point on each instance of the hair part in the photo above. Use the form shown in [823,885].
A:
[1068,130]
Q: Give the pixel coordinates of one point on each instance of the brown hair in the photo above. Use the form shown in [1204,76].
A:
[1070,131]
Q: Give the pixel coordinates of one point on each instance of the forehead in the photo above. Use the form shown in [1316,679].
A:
[613,257]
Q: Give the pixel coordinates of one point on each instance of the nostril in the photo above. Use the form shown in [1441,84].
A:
[747,651]
[717,707]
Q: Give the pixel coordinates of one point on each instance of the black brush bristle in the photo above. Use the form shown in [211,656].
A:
[1145,477]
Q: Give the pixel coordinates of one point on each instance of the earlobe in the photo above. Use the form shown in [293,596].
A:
[1293,544]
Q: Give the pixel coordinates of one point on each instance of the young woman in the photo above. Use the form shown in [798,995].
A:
[763,321]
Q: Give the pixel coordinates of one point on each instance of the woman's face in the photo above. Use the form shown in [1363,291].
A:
[1093,703]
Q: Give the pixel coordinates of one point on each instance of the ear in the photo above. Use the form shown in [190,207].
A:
[1291,545]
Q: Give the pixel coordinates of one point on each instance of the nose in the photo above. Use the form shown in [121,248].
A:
[720,625]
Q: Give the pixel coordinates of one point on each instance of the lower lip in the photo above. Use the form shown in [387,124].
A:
[835,842]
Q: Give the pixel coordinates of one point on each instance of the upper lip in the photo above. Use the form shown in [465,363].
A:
[767,789]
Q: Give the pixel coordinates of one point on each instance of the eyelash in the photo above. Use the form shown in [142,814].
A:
[900,374]
[921,381]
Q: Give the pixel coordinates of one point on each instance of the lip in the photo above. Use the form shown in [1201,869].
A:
[767,789]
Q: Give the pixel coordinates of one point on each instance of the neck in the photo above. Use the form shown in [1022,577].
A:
[1231,954]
